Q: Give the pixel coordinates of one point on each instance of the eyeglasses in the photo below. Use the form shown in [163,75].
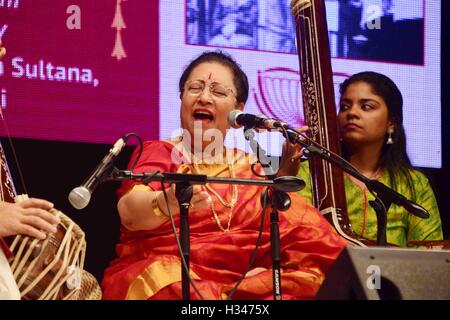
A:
[217,90]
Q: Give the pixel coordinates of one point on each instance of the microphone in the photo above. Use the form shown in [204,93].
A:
[399,199]
[80,196]
[237,119]
[416,209]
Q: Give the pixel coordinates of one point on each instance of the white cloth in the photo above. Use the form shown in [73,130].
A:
[8,286]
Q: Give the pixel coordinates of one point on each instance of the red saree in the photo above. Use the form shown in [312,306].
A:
[148,264]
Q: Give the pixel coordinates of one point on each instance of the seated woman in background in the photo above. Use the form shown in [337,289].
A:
[224,220]
[373,139]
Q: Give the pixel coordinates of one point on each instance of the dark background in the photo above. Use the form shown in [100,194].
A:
[52,169]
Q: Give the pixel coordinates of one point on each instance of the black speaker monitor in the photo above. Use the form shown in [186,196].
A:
[388,274]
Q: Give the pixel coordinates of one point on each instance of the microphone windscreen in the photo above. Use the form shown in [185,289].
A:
[79,197]
[232,118]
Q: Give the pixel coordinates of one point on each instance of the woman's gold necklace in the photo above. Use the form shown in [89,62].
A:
[229,205]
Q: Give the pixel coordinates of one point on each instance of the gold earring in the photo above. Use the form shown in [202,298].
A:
[389,139]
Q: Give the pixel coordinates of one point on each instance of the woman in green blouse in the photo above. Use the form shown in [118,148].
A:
[370,121]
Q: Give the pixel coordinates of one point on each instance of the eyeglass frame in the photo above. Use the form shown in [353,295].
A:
[210,88]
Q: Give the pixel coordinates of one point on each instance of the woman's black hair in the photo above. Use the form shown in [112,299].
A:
[394,157]
[240,78]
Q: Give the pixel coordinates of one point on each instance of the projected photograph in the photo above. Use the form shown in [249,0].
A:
[246,24]
[391,37]
[382,30]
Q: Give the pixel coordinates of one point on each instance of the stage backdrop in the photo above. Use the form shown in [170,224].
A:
[90,71]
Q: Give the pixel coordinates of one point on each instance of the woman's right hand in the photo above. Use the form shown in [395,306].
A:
[137,213]
[200,200]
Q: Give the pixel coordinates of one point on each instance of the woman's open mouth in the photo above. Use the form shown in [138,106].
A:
[203,116]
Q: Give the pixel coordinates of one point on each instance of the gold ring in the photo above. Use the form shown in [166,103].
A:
[191,206]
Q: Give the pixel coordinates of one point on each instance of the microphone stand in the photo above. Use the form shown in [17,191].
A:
[381,207]
[384,196]
[279,200]
[183,192]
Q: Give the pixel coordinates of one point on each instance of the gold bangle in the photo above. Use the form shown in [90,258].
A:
[155,207]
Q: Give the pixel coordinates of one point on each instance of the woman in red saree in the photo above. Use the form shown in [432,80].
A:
[224,220]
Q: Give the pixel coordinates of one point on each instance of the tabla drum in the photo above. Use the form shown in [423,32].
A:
[50,269]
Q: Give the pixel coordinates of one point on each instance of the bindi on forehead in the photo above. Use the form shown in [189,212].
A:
[210,75]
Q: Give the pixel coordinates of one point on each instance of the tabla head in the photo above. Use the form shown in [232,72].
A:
[50,269]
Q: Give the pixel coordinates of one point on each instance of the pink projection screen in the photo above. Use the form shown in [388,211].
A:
[90,71]
[93,83]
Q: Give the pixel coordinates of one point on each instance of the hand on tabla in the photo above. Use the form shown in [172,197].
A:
[29,217]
